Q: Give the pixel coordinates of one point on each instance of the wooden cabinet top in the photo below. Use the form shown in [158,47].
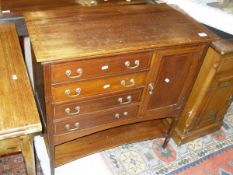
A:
[18,112]
[83,32]
[223,46]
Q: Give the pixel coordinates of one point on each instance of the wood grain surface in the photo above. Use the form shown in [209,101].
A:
[97,87]
[81,107]
[18,110]
[100,67]
[80,32]
[210,97]
[94,122]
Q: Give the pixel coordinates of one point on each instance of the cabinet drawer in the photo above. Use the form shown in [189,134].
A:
[82,107]
[96,87]
[100,67]
[99,119]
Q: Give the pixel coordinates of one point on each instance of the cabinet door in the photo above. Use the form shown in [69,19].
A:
[172,78]
[216,101]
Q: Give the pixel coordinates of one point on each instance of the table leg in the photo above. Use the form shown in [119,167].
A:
[169,133]
[28,154]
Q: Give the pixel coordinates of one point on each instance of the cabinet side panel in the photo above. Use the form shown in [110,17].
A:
[39,88]
[205,76]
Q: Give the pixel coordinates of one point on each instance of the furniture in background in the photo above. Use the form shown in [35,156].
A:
[212,92]
[110,76]
[19,116]
[29,5]
[211,95]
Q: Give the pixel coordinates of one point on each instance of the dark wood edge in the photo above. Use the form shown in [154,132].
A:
[223,46]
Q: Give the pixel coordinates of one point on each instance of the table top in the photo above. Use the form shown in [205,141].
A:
[18,111]
[81,32]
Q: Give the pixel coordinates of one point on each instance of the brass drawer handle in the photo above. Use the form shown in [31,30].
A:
[117,115]
[79,73]
[136,62]
[129,99]
[68,111]
[77,92]
[131,84]
[76,127]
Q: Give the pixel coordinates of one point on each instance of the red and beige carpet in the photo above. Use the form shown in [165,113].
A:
[209,155]
[14,165]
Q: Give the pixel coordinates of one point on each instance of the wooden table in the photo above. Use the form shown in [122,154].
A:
[19,118]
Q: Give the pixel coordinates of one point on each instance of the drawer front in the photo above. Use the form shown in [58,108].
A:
[101,67]
[96,87]
[82,107]
[99,119]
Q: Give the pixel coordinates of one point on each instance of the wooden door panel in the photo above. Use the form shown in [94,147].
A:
[173,80]
[226,65]
[215,103]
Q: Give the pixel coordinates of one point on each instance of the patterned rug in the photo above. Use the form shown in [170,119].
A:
[14,165]
[209,155]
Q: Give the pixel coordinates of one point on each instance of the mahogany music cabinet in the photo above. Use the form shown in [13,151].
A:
[106,76]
